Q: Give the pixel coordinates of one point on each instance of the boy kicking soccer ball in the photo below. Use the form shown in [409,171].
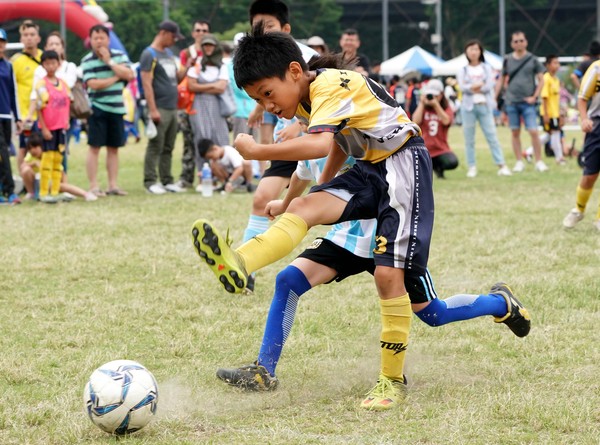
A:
[391,181]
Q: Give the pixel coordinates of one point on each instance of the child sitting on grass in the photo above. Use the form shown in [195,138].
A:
[227,165]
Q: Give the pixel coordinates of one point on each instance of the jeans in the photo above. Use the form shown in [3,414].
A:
[522,109]
[485,116]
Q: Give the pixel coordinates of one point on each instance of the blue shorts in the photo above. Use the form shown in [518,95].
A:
[398,191]
[590,155]
[522,110]
[23,138]
[269,119]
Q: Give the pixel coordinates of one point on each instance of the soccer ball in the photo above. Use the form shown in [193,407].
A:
[121,397]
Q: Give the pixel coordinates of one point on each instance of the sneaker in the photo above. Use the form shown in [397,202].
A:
[222,259]
[252,377]
[572,218]
[174,188]
[517,318]
[385,394]
[157,189]
[14,199]
[504,171]
[89,196]
[472,172]
[529,154]
[540,166]
[65,197]
[49,199]
[519,167]
[183,184]
[251,188]
[29,197]
[2,200]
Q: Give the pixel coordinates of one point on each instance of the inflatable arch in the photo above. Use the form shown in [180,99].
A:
[80,16]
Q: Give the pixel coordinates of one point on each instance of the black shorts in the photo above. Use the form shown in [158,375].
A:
[57,143]
[552,124]
[345,263]
[590,156]
[322,251]
[105,129]
[283,169]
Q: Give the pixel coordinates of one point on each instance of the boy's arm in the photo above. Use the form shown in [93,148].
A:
[335,160]
[236,173]
[309,146]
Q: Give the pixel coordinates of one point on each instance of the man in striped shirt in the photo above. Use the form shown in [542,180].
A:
[105,72]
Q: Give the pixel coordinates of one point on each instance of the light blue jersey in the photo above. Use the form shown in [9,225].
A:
[357,237]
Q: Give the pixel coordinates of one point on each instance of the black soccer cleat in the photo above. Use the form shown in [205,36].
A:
[252,377]
[517,318]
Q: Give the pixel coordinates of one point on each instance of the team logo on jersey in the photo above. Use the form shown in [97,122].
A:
[345,83]
[398,347]
[315,244]
[381,243]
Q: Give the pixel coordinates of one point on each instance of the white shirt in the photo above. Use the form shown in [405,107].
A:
[210,74]
[477,75]
[231,159]
[66,72]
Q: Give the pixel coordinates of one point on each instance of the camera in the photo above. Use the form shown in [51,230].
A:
[429,96]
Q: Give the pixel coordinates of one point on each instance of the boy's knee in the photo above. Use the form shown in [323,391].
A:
[434,314]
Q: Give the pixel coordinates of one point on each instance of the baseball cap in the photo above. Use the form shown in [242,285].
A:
[434,86]
[3,35]
[316,41]
[171,26]
[210,39]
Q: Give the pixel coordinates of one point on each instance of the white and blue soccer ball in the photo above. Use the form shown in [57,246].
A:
[121,397]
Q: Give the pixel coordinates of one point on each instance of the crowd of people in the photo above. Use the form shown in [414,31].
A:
[310,113]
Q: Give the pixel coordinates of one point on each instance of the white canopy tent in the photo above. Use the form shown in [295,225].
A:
[413,59]
[451,67]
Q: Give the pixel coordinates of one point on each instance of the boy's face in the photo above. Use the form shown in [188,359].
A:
[279,96]
[214,153]
[553,66]
[36,151]
[51,65]
[270,23]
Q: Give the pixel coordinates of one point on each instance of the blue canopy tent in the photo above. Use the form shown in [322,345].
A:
[413,59]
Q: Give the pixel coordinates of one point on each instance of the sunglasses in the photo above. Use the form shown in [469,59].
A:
[200,30]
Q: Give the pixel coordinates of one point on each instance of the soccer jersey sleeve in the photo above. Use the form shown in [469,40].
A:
[589,82]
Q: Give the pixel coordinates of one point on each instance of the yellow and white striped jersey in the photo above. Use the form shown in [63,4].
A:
[590,85]
[367,122]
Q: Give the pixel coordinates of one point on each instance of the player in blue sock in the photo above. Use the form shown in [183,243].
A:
[347,249]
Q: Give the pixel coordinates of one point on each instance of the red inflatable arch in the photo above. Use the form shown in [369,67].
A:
[78,21]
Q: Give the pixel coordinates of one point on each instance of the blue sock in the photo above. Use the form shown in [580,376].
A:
[289,285]
[462,307]
[256,226]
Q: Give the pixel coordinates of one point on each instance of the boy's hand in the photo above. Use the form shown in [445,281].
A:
[289,132]
[46,134]
[255,119]
[244,143]
[274,208]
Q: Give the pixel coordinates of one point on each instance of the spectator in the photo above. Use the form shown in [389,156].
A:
[9,109]
[318,44]
[594,54]
[434,115]
[188,58]
[227,164]
[522,77]
[106,72]
[476,81]
[160,76]
[349,43]
[208,79]
[24,65]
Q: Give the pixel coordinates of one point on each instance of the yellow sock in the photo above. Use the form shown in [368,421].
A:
[583,196]
[45,172]
[396,315]
[278,241]
[56,173]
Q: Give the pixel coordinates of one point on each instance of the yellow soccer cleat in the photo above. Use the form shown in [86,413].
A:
[386,394]
[220,257]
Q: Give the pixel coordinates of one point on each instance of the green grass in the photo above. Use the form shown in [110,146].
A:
[86,283]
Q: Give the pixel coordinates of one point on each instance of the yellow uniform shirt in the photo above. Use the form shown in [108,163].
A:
[367,122]
[551,92]
[590,85]
[24,66]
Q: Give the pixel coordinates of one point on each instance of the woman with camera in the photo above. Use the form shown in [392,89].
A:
[434,115]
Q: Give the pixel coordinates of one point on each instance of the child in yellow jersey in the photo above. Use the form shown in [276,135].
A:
[345,114]
[550,108]
[54,104]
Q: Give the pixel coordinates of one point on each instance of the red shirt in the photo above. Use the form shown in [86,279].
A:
[434,133]
[186,53]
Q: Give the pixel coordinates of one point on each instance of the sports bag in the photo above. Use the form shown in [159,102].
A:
[80,106]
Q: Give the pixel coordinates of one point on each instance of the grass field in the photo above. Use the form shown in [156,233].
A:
[86,283]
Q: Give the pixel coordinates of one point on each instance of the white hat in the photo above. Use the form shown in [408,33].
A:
[316,41]
[237,38]
[434,86]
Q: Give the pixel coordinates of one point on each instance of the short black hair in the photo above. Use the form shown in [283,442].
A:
[594,48]
[550,58]
[204,22]
[351,32]
[50,55]
[260,56]
[99,28]
[204,145]
[276,8]
[34,140]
